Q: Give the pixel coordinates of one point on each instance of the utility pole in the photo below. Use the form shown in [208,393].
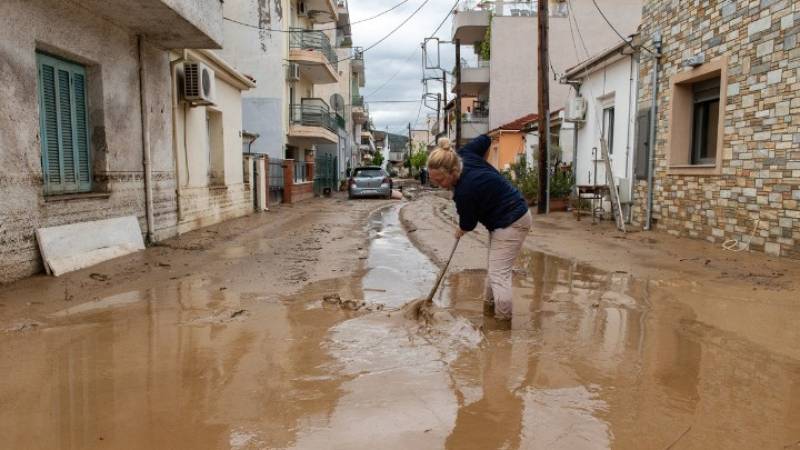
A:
[458,94]
[544,105]
[444,102]
[409,140]
[438,113]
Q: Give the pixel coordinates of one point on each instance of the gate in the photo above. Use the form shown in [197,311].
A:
[275,181]
[325,174]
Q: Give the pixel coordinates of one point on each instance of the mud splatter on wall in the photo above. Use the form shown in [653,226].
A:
[264,22]
[279,9]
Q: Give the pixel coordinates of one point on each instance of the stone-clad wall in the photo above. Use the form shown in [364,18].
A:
[760,178]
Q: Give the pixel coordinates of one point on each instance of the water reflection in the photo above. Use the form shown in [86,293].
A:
[593,360]
[397,271]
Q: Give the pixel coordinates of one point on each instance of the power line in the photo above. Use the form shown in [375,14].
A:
[393,75]
[441,24]
[415,51]
[395,28]
[425,2]
[455,5]
[319,29]
[383,38]
[393,101]
[627,41]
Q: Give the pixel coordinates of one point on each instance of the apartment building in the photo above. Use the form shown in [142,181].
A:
[503,76]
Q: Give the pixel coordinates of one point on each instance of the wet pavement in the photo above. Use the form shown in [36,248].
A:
[593,360]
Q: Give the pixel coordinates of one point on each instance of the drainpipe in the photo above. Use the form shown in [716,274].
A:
[651,150]
[575,148]
[631,125]
[174,78]
[146,163]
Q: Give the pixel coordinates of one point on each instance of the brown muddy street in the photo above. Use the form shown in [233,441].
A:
[221,340]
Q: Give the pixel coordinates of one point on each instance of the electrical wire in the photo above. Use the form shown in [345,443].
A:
[438,27]
[415,51]
[393,101]
[626,41]
[394,30]
[320,29]
[393,75]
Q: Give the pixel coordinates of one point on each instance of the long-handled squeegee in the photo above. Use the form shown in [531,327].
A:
[414,308]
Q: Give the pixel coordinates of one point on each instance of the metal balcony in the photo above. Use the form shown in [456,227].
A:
[312,50]
[474,79]
[357,64]
[313,121]
[321,11]
[471,20]
[474,124]
[359,110]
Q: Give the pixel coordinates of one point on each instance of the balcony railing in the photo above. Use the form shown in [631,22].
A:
[476,5]
[521,9]
[313,112]
[313,40]
[479,64]
[358,53]
[357,101]
[477,115]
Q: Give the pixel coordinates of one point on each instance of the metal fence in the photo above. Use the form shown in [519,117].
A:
[276,182]
[326,176]
[313,40]
[300,171]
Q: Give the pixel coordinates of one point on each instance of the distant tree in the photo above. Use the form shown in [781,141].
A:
[419,158]
[377,160]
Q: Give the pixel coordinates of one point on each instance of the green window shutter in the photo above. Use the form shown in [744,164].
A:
[82,134]
[51,150]
[66,159]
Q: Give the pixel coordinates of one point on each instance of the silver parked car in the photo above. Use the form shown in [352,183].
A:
[369,182]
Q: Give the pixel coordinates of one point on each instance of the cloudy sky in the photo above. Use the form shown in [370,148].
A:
[399,56]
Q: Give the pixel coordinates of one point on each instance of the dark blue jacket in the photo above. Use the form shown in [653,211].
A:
[482,194]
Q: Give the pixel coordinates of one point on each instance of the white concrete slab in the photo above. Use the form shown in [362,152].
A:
[76,246]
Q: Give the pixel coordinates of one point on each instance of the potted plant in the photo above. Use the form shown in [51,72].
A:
[561,184]
[525,178]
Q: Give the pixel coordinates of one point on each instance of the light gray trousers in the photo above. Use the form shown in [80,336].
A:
[504,247]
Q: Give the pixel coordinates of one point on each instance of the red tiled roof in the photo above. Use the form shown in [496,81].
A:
[518,124]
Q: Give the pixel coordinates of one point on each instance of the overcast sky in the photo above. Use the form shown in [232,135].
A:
[393,57]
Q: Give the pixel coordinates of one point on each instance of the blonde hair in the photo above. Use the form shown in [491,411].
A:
[444,158]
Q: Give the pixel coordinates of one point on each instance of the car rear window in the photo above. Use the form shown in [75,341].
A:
[368,173]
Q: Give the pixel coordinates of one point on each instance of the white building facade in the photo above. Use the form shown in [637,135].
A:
[607,86]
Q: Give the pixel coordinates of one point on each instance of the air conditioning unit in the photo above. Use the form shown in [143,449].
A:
[576,109]
[198,84]
[293,72]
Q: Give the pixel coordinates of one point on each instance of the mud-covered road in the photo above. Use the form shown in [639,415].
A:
[222,340]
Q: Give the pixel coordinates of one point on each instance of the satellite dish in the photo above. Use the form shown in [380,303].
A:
[337,103]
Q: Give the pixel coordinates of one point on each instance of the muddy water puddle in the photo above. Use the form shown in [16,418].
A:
[593,360]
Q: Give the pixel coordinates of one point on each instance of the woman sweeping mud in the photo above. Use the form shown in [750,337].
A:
[483,196]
